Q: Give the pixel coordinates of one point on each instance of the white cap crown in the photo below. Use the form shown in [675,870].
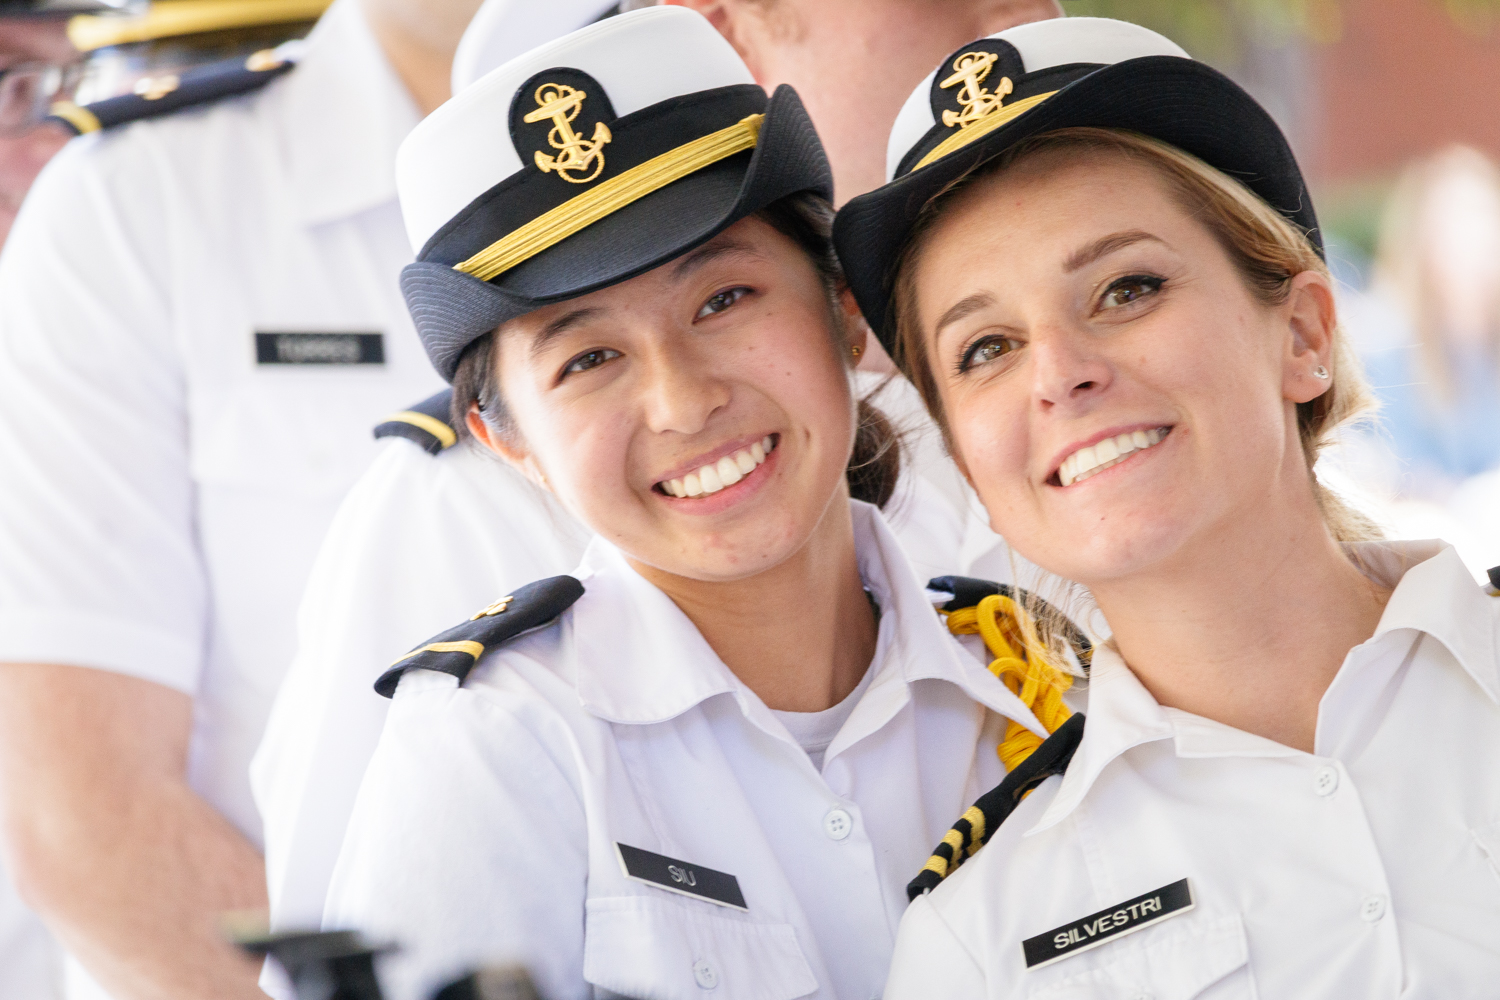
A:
[1063,41]
[465,147]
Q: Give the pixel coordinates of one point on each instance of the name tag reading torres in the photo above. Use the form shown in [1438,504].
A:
[1106,925]
[679,876]
[319,348]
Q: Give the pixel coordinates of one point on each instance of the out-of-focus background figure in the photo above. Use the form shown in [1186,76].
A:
[199,323]
[38,64]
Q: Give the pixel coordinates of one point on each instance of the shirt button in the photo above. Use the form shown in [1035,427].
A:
[838,824]
[1373,908]
[706,975]
[1325,780]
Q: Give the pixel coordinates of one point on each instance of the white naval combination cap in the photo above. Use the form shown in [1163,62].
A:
[586,162]
[1041,77]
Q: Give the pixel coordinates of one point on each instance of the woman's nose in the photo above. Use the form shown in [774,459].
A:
[681,394]
[1067,370]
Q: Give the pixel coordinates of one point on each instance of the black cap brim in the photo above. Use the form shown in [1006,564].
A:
[452,309]
[1178,101]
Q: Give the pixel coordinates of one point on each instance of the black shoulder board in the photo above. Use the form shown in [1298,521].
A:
[984,817]
[161,95]
[458,649]
[968,591]
[427,423]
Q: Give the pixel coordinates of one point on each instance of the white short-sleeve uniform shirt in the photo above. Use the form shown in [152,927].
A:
[423,541]
[1369,868]
[164,491]
[488,822]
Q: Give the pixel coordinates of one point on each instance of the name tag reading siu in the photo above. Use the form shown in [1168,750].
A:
[1106,925]
[680,876]
[319,348]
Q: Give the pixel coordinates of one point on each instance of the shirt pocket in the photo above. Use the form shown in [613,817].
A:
[1207,960]
[660,949]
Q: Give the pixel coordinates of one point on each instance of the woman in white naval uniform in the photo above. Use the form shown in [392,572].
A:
[1285,785]
[710,760]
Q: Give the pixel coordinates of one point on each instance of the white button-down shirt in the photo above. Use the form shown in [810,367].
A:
[422,541]
[1368,868]
[487,825]
[163,493]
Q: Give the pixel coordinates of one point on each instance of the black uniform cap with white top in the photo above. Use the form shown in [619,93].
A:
[586,162]
[1041,77]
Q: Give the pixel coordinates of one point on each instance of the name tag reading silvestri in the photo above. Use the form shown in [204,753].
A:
[680,876]
[1106,925]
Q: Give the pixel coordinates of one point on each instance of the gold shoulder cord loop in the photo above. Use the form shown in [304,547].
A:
[1039,686]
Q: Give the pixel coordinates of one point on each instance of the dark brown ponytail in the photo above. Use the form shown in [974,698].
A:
[875,462]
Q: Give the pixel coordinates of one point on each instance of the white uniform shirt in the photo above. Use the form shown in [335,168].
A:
[164,494]
[421,543]
[1369,868]
[487,824]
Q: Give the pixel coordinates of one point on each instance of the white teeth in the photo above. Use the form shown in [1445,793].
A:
[725,472]
[729,471]
[1091,461]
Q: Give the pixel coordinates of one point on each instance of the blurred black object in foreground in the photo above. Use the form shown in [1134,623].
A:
[340,965]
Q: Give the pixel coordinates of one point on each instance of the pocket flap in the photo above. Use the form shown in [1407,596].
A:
[660,949]
[1169,963]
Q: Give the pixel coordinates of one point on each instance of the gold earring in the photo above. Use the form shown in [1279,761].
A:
[856,350]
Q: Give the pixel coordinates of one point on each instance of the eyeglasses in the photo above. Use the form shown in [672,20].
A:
[27,90]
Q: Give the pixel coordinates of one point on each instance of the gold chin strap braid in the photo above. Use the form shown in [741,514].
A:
[1028,759]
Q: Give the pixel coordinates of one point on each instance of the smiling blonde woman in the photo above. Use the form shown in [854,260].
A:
[1099,263]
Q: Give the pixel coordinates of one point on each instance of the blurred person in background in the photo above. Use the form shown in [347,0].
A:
[1428,331]
[38,64]
[430,534]
[1436,362]
[199,322]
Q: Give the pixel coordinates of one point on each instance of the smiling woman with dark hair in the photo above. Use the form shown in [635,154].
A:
[1099,263]
[709,758]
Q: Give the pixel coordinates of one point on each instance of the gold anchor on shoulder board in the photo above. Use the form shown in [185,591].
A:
[970,69]
[562,103]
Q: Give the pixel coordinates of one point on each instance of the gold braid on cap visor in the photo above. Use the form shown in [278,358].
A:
[575,214]
[983,126]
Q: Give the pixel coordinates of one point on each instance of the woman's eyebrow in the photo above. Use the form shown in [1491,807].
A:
[963,307]
[1084,256]
[710,251]
[560,326]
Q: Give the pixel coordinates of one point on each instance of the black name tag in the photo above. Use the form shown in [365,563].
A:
[679,876]
[1106,925]
[319,349]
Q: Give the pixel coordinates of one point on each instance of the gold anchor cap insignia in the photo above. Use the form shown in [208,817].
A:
[978,102]
[578,160]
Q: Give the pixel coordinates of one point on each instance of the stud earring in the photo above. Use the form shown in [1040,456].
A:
[856,350]
[1320,372]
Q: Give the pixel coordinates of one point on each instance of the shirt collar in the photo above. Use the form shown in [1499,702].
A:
[639,659]
[343,112]
[1433,594]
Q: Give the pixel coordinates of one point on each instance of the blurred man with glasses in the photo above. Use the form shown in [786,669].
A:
[38,65]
